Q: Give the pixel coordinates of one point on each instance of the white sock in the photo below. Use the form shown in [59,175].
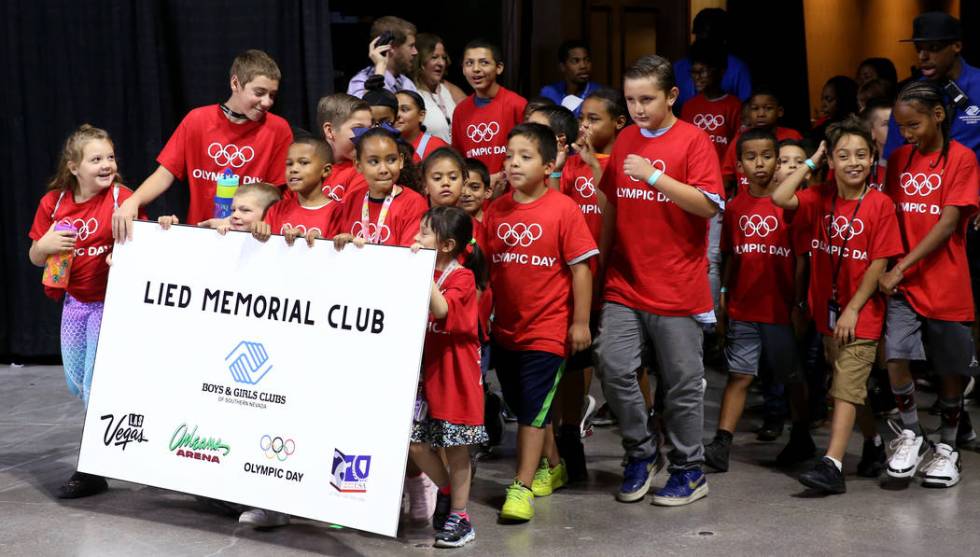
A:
[837,463]
[877,440]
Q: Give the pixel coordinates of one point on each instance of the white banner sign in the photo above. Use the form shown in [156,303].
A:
[278,377]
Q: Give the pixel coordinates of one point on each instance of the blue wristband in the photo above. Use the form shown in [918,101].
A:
[811,164]
[556,175]
[657,173]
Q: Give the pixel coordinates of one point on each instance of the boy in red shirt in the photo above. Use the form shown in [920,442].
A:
[757,294]
[308,212]
[713,110]
[764,111]
[339,115]
[852,231]
[538,246]
[662,184]
[239,134]
[482,120]
[933,180]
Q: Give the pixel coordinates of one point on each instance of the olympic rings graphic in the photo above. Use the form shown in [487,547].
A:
[482,132]
[372,232]
[658,164]
[336,192]
[518,233]
[756,225]
[277,447]
[302,229]
[83,228]
[920,184]
[230,155]
[584,187]
[839,227]
[709,122]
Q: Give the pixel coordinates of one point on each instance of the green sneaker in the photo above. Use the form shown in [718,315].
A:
[541,486]
[559,475]
[519,505]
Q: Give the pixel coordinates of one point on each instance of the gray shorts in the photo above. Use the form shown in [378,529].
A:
[749,342]
[950,342]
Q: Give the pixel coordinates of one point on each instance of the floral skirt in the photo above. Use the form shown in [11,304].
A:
[440,433]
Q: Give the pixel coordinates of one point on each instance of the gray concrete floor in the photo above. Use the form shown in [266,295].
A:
[752,510]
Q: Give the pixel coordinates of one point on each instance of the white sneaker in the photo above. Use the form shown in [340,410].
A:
[944,468]
[907,451]
[421,498]
[588,410]
[262,518]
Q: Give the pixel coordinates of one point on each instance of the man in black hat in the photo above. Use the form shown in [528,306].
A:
[937,39]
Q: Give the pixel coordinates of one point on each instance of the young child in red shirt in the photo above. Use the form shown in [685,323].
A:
[239,134]
[449,414]
[713,110]
[853,232]
[764,111]
[339,116]
[757,296]
[538,245]
[384,212]
[248,208]
[476,189]
[482,120]
[411,114]
[82,195]
[443,175]
[933,181]
[662,184]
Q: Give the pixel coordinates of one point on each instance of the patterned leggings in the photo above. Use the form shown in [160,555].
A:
[80,324]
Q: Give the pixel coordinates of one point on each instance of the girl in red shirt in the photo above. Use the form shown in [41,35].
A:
[408,120]
[449,411]
[82,195]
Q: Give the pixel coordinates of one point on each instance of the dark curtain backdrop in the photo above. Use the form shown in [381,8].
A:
[134,68]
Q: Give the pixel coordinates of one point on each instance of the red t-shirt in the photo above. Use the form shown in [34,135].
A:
[531,247]
[577,182]
[480,132]
[873,235]
[758,236]
[728,167]
[343,179]
[721,119]
[451,376]
[486,297]
[399,227]
[206,143]
[938,286]
[658,260]
[93,243]
[288,213]
[433,144]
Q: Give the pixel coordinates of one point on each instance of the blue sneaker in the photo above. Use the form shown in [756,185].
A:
[684,487]
[636,479]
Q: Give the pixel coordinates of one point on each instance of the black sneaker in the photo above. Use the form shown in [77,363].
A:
[572,451]
[716,454]
[824,476]
[439,517]
[81,484]
[872,460]
[604,416]
[799,449]
[492,420]
[772,429]
[457,532]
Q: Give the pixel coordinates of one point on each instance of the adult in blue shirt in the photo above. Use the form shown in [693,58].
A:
[937,38]
[711,25]
[575,61]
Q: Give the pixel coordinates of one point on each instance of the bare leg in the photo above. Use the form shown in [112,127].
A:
[428,461]
[530,445]
[733,401]
[842,424]
[459,476]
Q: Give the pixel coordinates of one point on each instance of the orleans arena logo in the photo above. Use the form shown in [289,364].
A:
[186,443]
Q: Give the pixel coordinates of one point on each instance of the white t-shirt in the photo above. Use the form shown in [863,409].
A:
[439,112]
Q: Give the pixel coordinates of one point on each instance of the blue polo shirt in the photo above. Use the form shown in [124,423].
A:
[736,81]
[965,126]
[558,91]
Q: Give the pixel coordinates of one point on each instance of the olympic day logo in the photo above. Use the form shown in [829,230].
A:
[756,225]
[83,228]
[302,229]
[230,155]
[519,234]
[709,122]
[277,449]
[248,363]
[920,184]
[584,187]
[658,164]
[336,192]
[482,132]
[357,230]
[840,228]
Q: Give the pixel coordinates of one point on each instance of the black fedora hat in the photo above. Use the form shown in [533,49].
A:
[935,26]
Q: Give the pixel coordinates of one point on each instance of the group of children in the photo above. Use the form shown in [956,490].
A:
[556,234]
